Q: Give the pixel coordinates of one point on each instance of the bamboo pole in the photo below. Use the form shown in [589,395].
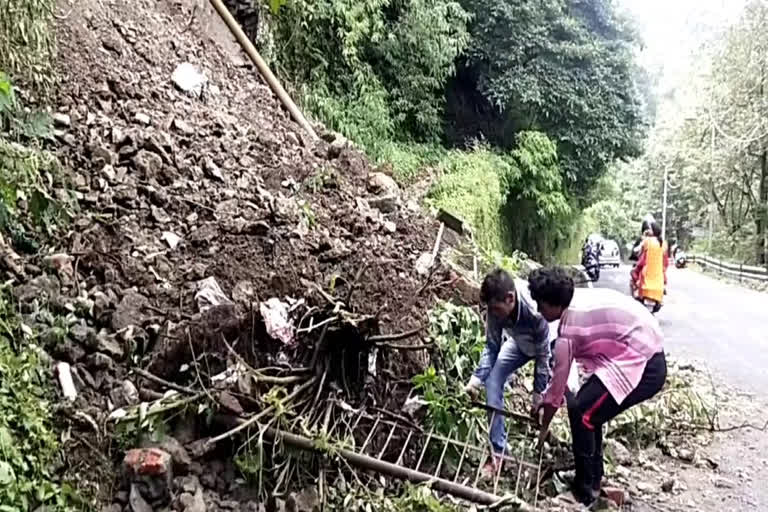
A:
[262,66]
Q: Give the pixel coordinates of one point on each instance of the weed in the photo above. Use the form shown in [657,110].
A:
[28,174]
[27,41]
[29,448]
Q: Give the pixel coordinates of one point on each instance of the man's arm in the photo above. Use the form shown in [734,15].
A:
[563,359]
[490,352]
[541,373]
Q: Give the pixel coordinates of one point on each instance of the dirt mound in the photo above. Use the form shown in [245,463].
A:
[207,218]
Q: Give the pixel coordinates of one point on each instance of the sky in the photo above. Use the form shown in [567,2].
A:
[672,29]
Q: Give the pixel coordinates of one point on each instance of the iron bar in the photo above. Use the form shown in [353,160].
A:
[395,471]
[386,443]
[405,445]
[442,457]
[370,434]
[464,451]
[424,450]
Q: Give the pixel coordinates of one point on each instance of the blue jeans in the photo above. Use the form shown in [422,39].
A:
[509,360]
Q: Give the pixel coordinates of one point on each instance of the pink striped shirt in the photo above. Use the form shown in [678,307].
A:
[610,335]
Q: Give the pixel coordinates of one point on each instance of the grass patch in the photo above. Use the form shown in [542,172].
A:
[470,186]
[27,42]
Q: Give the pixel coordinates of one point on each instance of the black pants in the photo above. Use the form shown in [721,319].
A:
[593,406]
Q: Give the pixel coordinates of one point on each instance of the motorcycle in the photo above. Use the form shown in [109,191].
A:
[680,259]
[590,260]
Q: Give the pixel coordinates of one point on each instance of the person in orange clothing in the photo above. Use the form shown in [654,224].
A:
[649,277]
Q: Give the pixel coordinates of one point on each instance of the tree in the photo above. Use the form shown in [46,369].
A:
[563,67]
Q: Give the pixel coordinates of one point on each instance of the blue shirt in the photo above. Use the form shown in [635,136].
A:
[529,331]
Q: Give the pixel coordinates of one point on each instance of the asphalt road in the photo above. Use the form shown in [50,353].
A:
[724,325]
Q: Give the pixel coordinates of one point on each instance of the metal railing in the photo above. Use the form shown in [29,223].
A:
[734,270]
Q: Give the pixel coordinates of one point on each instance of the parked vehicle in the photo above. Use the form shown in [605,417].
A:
[609,254]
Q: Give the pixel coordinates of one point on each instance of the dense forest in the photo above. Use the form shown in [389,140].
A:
[518,108]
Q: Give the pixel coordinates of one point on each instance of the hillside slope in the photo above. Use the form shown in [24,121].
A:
[180,179]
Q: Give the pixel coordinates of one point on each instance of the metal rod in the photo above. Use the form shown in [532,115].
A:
[386,443]
[442,457]
[370,434]
[464,451]
[520,471]
[405,445]
[424,450]
[393,470]
[483,458]
[263,68]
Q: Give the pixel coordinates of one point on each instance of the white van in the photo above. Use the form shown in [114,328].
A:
[609,254]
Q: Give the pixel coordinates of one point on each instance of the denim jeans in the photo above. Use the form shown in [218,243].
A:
[509,360]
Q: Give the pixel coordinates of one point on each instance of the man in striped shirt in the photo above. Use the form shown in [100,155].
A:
[618,342]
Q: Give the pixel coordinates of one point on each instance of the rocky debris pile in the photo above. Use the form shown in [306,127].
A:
[220,259]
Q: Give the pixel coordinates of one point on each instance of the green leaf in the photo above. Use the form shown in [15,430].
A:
[7,475]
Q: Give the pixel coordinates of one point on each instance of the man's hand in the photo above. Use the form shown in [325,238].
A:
[545,414]
[473,387]
[536,399]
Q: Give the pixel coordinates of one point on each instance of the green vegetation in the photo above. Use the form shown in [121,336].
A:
[28,210]
[518,108]
[29,447]
[27,43]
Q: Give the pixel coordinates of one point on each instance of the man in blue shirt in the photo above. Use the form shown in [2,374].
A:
[515,335]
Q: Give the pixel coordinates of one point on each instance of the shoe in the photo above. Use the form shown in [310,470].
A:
[492,467]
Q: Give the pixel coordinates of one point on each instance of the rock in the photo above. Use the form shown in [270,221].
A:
[618,452]
[142,118]
[103,154]
[385,204]
[81,332]
[106,343]
[150,470]
[188,79]
[147,163]
[99,361]
[723,483]
[172,239]
[115,507]
[45,288]
[380,183]
[183,127]
[292,139]
[179,455]
[686,455]
[137,501]
[213,170]
[390,226]
[616,495]
[128,311]
[645,487]
[307,500]
[63,350]
[193,502]
[230,403]
[130,393]
[61,119]
[424,263]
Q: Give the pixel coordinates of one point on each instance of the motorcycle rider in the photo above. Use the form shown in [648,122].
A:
[645,231]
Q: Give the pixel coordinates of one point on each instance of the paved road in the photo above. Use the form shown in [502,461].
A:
[703,318]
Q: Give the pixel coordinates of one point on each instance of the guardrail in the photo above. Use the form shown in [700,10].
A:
[735,270]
